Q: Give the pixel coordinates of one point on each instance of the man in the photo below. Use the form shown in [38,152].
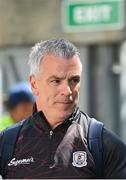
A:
[19,105]
[53,141]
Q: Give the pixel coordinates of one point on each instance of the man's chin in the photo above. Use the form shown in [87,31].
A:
[65,115]
[65,111]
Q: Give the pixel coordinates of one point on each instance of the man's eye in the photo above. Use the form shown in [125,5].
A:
[75,80]
[55,81]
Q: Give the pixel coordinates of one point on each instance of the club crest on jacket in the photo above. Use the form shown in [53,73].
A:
[79,159]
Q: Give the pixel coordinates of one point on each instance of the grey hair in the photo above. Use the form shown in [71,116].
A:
[57,47]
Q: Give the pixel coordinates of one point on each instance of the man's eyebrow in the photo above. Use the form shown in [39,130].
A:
[74,76]
[54,77]
[61,78]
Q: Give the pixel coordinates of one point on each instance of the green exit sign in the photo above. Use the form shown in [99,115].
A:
[90,15]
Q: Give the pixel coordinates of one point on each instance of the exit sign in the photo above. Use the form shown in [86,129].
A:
[90,15]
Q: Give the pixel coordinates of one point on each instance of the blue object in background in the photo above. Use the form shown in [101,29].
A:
[20,92]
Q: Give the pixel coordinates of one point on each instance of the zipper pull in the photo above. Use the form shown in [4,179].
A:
[50,134]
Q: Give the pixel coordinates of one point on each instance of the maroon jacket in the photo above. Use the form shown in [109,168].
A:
[63,152]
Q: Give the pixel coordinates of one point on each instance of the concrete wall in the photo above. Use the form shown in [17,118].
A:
[28,21]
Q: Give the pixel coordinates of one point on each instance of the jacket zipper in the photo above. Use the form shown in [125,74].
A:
[50,148]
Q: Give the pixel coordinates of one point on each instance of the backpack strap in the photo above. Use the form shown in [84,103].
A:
[95,144]
[10,136]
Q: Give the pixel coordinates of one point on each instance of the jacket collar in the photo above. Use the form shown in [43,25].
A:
[42,123]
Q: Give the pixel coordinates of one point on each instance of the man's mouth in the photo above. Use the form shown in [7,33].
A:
[66,102]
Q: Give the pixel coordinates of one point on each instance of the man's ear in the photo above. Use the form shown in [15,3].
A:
[33,83]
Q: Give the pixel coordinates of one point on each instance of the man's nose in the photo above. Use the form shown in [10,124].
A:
[66,89]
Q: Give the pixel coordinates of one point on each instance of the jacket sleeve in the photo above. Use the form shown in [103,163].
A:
[114,156]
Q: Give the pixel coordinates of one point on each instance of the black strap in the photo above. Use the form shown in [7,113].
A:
[8,143]
[95,143]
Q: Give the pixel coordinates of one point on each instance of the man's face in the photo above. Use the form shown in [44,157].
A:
[57,87]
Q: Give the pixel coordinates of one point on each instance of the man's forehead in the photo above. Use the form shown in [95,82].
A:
[60,67]
[53,58]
